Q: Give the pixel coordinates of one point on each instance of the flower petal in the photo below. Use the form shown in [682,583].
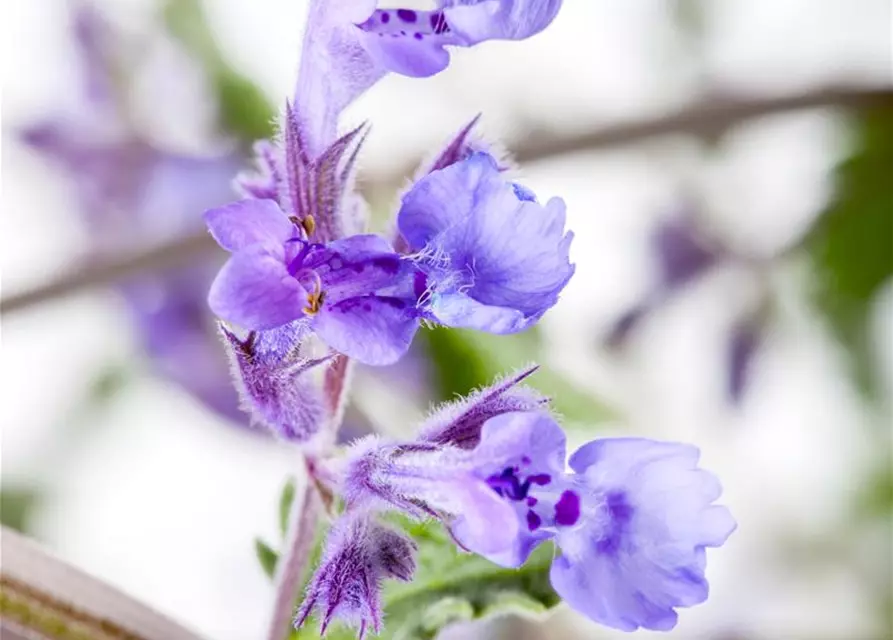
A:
[248,222]
[483,20]
[460,311]
[255,291]
[373,329]
[644,555]
[408,42]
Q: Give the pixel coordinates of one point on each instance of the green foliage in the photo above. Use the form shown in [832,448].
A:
[244,110]
[451,586]
[851,245]
[464,360]
[286,499]
[16,506]
[266,556]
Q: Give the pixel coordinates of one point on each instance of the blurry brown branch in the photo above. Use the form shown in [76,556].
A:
[709,118]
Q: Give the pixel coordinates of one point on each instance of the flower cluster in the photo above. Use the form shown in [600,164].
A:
[631,517]
[474,249]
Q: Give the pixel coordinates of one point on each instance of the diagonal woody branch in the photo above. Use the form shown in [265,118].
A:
[706,118]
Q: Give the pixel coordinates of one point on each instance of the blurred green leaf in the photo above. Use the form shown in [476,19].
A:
[451,585]
[244,109]
[267,557]
[286,499]
[851,244]
[16,506]
[464,360]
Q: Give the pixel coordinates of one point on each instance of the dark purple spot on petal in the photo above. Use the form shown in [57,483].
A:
[402,33]
[525,460]
[367,307]
[541,479]
[567,509]
[407,15]
[531,501]
[418,36]
[533,521]
[385,17]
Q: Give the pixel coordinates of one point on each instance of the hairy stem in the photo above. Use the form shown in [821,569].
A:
[303,524]
[703,118]
[294,559]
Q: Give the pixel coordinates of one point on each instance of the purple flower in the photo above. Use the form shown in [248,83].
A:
[271,375]
[632,521]
[359,554]
[355,293]
[490,257]
[412,42]
[349,46]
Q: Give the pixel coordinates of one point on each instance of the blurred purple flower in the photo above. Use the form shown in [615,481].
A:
[131,194]
[682,254]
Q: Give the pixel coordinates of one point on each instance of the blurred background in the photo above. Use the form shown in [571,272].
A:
[727,168]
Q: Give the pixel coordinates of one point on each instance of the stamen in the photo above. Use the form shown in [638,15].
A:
[308,224]
[316,296]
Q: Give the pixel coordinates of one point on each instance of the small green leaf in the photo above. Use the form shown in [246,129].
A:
[286,500]
[443,612]
[512,602]
[267,557]
[851,245]
[464,360]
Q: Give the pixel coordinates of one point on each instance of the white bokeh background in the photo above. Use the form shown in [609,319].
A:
[161,500]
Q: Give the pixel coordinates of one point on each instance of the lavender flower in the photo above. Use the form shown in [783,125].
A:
[349,46]
[490,257]
[412,42]
[632,520]
[355,293]
[359,554]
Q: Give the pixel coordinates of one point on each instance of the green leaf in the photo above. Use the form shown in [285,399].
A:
[851,244]
[286,500]
[244,110]
[16,506]
[451,585]
[267,557]
[464,360]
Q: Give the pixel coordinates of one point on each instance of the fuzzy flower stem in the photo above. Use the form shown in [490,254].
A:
[335,388]
[305,518]
[294,560]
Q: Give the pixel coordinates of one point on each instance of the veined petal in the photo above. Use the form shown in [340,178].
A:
[254,290]
[481,20]
[249,222]
[494,259]
[373,329]
[459,311]
[637,552]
